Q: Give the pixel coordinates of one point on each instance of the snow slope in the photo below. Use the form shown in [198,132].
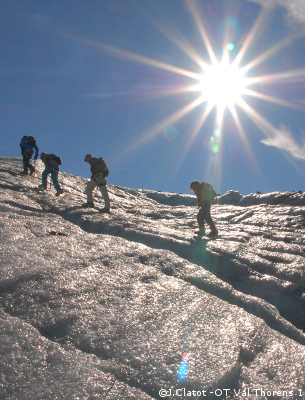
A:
[132,306]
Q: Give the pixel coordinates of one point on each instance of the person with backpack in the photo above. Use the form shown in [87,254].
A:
[205,194]
[52,163]
[99,171]
[27,145]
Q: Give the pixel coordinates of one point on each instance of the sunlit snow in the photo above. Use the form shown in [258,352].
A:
[132,305]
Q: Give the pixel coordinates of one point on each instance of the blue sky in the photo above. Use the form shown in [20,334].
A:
[123,79]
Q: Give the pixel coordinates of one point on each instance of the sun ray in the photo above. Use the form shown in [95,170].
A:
[200,25]
[266,127]
[268,53]
[243,136]
[156,129]
[151,62]
[196,130]
[117,52]
[275,100]
[291,76]
[149,91]
[190,139]
[194,133]
[257,27]
[175,37]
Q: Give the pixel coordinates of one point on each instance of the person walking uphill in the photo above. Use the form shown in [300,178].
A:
[99,170]
[52,163]
[205,194]
[27,145]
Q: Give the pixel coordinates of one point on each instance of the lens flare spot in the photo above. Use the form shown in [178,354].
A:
[183,369]
[217,132]
[230,46]
[213,143]
[170,133]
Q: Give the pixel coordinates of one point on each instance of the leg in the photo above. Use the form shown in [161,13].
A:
[91,185]
[104,191]
[209,220]
[44,177]
[26,163]
[207,214]
[200,220]
[54,177]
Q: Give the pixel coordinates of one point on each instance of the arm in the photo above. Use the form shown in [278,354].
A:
[36,153]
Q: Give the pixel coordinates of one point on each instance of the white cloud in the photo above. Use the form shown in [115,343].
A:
[282,138]
[295,8]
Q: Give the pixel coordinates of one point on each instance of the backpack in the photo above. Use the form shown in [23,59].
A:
[209,192]
[56,158]
[24,141]
[31,141]
[106,172]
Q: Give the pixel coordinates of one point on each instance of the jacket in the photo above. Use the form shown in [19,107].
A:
[28,148]
[204,192]
[99,169]
[49,161]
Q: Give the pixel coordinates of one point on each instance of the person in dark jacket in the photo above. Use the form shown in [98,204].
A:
[28,147]
[99,171]
[205,194]
[51,167]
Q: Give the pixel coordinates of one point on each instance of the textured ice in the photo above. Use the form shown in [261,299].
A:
[97,306]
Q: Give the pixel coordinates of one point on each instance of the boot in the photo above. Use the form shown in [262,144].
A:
[105,210]
[59,192]
[214,231]
[32,170]
[43,186]
[201,231]
[88,205]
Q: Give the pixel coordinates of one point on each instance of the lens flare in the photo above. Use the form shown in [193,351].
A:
[230,46]
[221,83]
[183,369]
[170,133]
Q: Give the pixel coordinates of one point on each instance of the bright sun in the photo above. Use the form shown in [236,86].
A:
[217,84]
[222,84]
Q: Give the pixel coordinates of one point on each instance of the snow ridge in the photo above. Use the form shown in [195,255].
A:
[105,306]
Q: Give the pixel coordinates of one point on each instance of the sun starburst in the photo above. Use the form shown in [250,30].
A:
[223,85]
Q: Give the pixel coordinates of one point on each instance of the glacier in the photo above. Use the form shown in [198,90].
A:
[132,305]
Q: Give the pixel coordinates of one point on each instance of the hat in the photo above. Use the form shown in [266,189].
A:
[88,157]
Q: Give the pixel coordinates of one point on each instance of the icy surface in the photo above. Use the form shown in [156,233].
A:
[132,305]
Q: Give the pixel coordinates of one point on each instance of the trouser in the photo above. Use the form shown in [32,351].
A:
[54,176]
[91,185]
[26,162]
[204,214]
